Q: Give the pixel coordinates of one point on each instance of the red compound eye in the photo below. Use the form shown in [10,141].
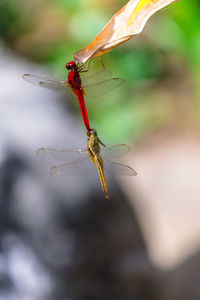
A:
[70,65]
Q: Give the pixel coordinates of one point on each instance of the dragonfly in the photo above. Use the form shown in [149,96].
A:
[76,161]
[91,86]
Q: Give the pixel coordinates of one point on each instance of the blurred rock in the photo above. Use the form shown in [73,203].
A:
[168,185]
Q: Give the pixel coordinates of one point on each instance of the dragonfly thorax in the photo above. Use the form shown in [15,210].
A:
[74,79]
[93,144]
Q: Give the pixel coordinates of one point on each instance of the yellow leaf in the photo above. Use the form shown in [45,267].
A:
[127,22]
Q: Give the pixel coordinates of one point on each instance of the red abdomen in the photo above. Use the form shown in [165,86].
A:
[74,81]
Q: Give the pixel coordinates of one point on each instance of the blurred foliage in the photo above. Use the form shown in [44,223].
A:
[161,65]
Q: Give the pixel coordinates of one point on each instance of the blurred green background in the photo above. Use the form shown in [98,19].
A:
[161,65]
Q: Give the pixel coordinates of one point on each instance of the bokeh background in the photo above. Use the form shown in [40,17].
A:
[59,237]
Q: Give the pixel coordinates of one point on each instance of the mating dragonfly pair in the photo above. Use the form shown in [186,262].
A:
[96,152]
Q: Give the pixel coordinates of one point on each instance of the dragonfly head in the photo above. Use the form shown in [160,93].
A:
[92,131]
[71,65]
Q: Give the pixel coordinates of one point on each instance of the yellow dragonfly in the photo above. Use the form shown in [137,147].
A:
[77,161]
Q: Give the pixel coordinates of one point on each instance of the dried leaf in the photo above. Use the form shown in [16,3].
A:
[127,22]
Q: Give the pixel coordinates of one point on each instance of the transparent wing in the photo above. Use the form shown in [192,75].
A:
[115,151]
[115,168]
[94,77]
[77,161]
[100,88]
[49,83]
[82,166]
[62,155]
[95,86]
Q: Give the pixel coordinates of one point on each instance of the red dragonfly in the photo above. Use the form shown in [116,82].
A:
[93,85]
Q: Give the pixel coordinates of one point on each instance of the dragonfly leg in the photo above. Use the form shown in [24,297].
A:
[101,61]
[101,143]
[84,67]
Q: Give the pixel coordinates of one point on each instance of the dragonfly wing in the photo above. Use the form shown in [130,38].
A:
[82,166]
[94,77]
[115,151]
[62,155]
[49,83]
[115,168]
[103,87]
